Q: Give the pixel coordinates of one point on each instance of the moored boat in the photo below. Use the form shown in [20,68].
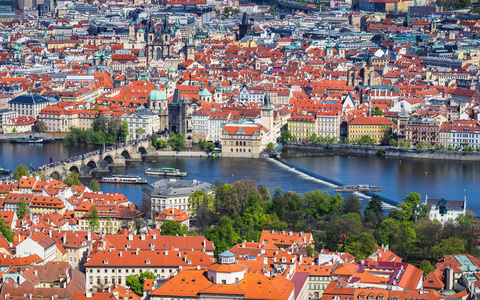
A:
[165,172]
[5,171]
[128,179]
[24,140]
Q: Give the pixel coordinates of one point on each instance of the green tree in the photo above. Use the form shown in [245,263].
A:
[134,284]
[270,147]
[365,140]
[124,131]
[94,185]
[139,132]
[352,205]
[6,231]
[176,141]
[14,129]
[100,124]
[223,235]
[40,175]
[373,214]
[428,235]
[203,218]
[234,201]
[405,238]
[272,10]
[426,267]
[202,144]
[93,222]
[310,251]
[22,209]
[210,146]
[173,228]
[339,230]
[20,171]
[162,144]
[40,127]
[377,111]
[199,198]
[449,246]
[72,179]
[285,135]
[360,245]
[387,230]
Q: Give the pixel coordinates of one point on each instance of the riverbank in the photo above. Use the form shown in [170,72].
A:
[291,150]
[44,135]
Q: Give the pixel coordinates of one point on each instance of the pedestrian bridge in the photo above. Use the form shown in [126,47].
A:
[99,160]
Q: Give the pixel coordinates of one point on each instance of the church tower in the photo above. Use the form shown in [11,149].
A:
[218,97]
[190,48]
[433,25]
[131,31]
[158,102]
[329,48]
[166,39]
[205,94]
[341,49]
[267,114]
[368,72]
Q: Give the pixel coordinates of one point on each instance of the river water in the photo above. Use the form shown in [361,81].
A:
[437,179]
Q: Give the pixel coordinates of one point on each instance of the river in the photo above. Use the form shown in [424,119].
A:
[437,179]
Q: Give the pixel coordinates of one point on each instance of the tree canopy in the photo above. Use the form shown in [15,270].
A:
[20,170]
[173,228]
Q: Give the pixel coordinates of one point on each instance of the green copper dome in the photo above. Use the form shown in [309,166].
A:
[171,69]
[157,94]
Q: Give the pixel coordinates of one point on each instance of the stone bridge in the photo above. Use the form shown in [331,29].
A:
[100,160]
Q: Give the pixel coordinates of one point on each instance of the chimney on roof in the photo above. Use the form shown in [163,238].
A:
[89,235]
[64,239]
[50,233]
[88,295]
[136,251]
[130,237]
[120,254]
[154,236]
[243,244]
[142,236]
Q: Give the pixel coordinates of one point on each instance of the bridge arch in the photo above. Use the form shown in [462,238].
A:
[74,169]
[126,154]
[108,159]
[56,175]
[142,150]
[92,164]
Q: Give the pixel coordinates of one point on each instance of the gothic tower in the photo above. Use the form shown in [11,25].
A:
[190,48]
[243,27]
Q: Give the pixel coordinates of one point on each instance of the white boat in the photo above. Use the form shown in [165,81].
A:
[128,179]
[165,172]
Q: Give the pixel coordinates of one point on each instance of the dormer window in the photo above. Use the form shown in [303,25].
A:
[105,262]
[147,261]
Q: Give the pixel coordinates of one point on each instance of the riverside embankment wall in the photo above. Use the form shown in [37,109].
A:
[302,150]
[45,135]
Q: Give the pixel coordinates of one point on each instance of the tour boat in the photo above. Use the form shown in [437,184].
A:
[24,140]
[5,171]
[130,179]
[165,172]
